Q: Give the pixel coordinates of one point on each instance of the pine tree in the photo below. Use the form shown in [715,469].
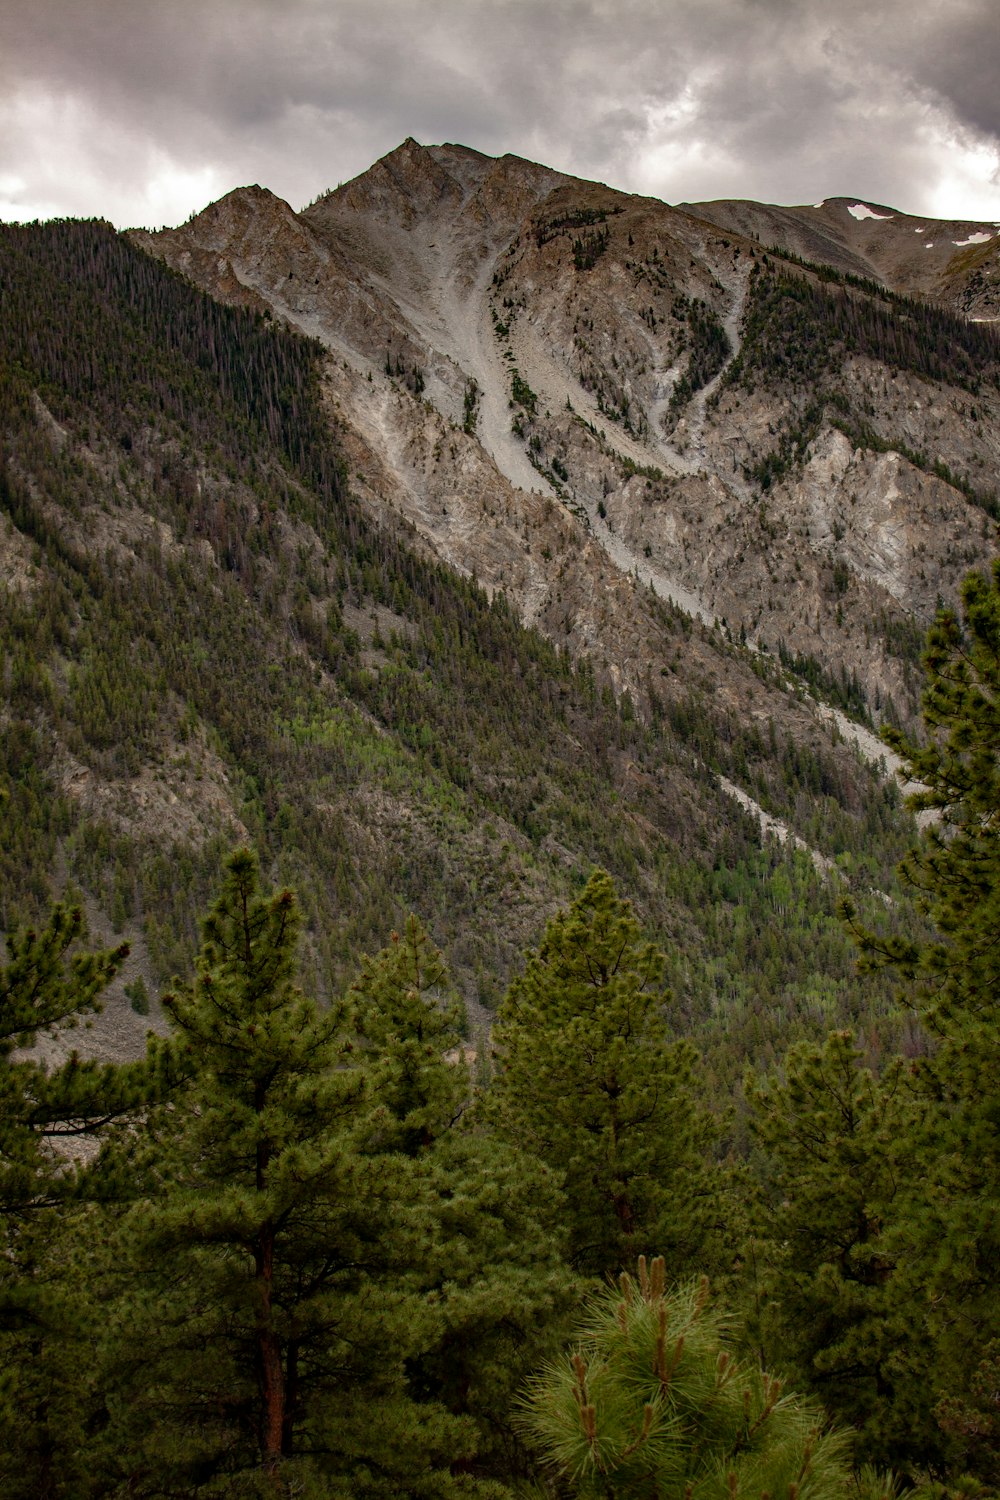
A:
[410,1019]
[588,1078]
[955,870]
[953,982]
[46,986]
[835,1302]
[47,1183]
[272,1303]
[496,1268]
[653,1402]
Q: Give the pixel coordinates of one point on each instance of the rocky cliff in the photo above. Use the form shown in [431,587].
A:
[603,405]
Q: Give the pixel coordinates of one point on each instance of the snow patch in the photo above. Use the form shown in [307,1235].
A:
[862,211]
[820,203]
[979,238]
[921,229]
[928,244]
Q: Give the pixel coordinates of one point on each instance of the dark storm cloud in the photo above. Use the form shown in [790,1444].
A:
[953,50]
[136,110]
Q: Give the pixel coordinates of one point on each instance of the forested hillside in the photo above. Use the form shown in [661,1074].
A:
[208,641]
[327,1238]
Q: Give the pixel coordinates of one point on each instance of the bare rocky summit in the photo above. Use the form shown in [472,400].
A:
[955,261]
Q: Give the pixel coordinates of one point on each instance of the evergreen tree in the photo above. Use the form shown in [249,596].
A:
[273,1304]
[46,986]
[410,1019]
[653,1403]
[835,1303]
[589,1080]
[496,1270]
[955,870]
[953,981]
[51,1119]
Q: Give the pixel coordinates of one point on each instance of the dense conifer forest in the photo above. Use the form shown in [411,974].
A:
[709,1214]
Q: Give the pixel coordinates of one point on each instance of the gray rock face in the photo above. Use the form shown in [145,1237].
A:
[542,376]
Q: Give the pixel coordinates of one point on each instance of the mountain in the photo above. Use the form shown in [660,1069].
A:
[952,261]
[470,528]
[572,391]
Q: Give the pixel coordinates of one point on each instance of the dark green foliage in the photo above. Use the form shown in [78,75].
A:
[588,248]
[838,1307]
[791,450]
[307,1264]
[271,1293]
[51,1123]
[795,329]
[161,346]
[825,273]
[708,349]
[953,981]
[588,1078]
[521,393]
[877,1255]
[798,335]
[496,1269]
[47,987]
[138,996]
[956,869]
[577,218]
[410,1022]
[469,404]
[845,692]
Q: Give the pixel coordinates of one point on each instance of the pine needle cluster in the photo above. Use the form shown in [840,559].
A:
[654,1402]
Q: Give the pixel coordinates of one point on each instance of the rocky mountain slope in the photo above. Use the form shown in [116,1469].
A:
[211,633]
[549,380]
[954,261]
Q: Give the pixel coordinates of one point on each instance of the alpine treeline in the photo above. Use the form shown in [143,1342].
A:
[797,327]
[810,342]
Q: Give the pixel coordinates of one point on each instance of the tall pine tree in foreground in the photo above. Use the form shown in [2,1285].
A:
[271,1302]
[52,1120]
[496,1269]
[588,1078]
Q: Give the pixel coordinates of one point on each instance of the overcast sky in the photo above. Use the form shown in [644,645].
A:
[143,111]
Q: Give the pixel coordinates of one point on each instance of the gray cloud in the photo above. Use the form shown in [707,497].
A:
[108,106]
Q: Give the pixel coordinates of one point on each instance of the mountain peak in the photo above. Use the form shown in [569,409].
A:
[404,184]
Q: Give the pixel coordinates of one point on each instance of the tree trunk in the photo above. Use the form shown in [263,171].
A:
[270,1376]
